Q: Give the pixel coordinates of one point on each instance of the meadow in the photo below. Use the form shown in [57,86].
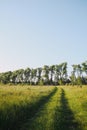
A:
[24,107]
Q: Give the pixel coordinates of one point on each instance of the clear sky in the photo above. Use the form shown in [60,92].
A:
[34,33]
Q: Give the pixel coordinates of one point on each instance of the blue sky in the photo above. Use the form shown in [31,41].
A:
[34,33]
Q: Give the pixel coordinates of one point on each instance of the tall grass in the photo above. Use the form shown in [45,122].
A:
[77,99]
[43,108]
[65,110]
[19,103]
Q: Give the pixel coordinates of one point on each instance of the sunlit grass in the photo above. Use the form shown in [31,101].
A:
[65,110]
[24,107]
[77,99]
[44,119]
[17,103]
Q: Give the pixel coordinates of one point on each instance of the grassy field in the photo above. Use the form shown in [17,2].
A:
[19,103]
[43,108]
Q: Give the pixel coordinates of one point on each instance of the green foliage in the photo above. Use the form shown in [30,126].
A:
[41,83]
[47,75]
[60,82]
[5,77]
[79,81]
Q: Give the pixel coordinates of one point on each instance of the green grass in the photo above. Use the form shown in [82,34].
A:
[65,110]
[43,108]
[19,103]
[77,99]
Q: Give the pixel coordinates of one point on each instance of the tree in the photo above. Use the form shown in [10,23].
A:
[76,78]
[84,70]
[45,76]
[61,71]
[27,75]
[39,71]
[64,71]
[19,77]
[33,77]
[73,78]
[56,74]
[5,77]
[84,67]
[52,70]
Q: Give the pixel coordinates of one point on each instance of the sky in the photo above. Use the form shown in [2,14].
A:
[34,33]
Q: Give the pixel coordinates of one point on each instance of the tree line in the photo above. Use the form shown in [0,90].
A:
[48,75]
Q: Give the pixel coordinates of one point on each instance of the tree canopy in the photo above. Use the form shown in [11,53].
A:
[48,75]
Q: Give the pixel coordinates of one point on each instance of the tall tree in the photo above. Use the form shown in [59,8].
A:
[27,75]
[61,70]
[5,77]
[39,71]
[84,70]
[51,71]
[77,74]
[14,76]
[84,67]
[19,78]
[46,74]
[33,77]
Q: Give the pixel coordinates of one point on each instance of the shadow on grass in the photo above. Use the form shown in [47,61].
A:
[22,113]
[40,118]
[31,111]
[64,117]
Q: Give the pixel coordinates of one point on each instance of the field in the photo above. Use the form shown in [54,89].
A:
[24,107]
